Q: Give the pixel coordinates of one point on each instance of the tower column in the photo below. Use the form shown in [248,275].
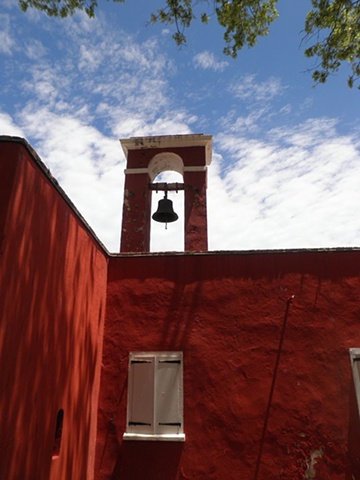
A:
[195,211]
[135,232]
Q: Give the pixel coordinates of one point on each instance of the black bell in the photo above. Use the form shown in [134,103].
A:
[165,212]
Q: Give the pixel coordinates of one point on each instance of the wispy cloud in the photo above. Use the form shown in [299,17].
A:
[124,79]
[250,89]
[289,190]
[88,165]
[35,50]
[9,126]
[207,61]
[281,183]
[7,42]
[78,138]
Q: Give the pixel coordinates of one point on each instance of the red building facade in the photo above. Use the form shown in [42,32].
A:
[267,385]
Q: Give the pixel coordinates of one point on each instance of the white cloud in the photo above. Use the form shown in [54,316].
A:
[7,43]
[127,79]
[89,59]
[249,89]
[207,61]
[293,190]
[88,165]
[58,118]
[271,185]
[35,50]
[9,127]
[249,123]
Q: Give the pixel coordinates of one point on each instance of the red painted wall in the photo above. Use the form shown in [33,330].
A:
[268,392]
[52,303]
[8,164]
[252,411]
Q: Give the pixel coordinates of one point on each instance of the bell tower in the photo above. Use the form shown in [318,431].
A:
[146,157]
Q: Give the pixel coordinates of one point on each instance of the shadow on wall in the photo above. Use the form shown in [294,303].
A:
[51,309]
[229,328]
[148,461]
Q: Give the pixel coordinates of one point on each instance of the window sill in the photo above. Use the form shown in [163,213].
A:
[180,437]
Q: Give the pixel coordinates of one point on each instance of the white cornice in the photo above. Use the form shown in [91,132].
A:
[169,141]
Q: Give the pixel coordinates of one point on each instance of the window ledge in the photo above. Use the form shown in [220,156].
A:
[179,437]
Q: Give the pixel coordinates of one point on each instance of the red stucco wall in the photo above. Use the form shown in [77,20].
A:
[9,161]
[52,303]
[228,314]
[268,392]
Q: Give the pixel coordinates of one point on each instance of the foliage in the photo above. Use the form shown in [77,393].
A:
[244,20]
[333,26]
[62,8]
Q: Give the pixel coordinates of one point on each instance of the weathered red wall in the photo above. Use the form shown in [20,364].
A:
[8,165]
[227,313]
[52,303]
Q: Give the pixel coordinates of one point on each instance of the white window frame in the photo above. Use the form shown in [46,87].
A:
[155,397]
[355,366]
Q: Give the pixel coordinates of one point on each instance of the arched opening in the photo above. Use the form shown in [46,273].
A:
[167,167]
[58,433]
[168,238]
[165,162]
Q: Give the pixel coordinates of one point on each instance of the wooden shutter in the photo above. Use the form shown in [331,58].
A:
[355,364]
[168,395]
[141,395]
[155,396]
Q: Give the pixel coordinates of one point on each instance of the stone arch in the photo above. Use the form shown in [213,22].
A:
[163,162]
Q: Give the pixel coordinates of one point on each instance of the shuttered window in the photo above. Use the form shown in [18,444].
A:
[155,396]
[355,364]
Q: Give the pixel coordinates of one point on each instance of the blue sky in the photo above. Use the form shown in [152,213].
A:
[285,170]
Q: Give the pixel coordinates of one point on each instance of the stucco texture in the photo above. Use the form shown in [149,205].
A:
[52,308]
[267,377]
